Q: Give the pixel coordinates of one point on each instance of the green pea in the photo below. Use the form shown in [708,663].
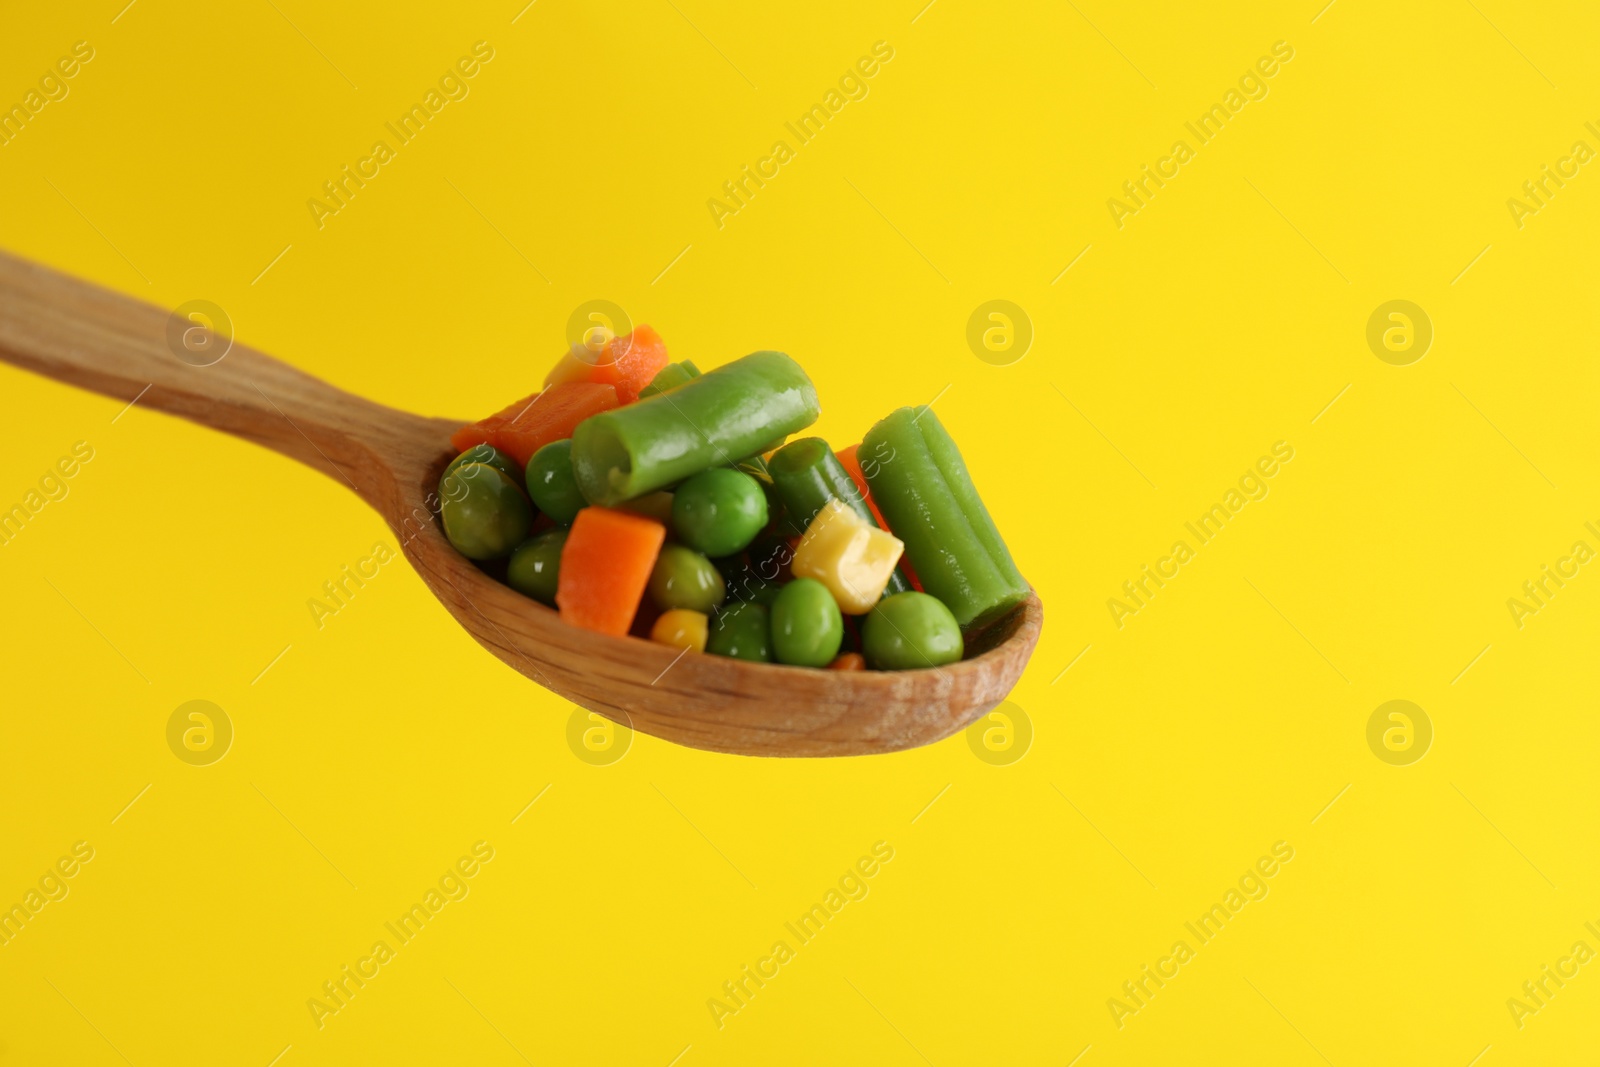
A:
[910,630]
[484,511]
[484,453]
[551,485]
[807,626]
[535,566]
[719,511]
[683,578]
[756,467]
[740,632]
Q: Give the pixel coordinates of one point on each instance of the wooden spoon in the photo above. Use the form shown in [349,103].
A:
[86,336]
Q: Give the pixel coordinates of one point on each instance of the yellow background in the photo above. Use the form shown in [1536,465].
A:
[1223,717]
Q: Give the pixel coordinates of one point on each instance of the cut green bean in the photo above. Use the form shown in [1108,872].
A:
[713,420]
[923,489]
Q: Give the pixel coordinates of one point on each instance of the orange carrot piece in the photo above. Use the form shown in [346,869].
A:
[629,363]
[852,466]
[535,421]
[635,361]
[848,661]
[605,566]
[470,436]
[480,432]
[551,417]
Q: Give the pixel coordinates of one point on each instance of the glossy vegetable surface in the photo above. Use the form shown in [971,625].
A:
[605,565]
[550,483]
[741,631]
[484,512]
[923,489]
[695,521]
[807,626]
[806,475]
[535,567]
[849,555]
[627,363]
[713,420]
[552,416]
[719,511]
[681,628]
[484,453]
[479,432]
[670,377]
[683,578]
[909,631]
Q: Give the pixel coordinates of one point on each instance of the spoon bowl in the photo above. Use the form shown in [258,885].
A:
[90,337]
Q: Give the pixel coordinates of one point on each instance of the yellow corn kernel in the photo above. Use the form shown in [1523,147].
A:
[681,628]
[849,555]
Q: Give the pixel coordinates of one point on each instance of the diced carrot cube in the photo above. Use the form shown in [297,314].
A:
[605,566]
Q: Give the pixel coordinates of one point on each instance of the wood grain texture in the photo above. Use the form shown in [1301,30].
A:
[89,337]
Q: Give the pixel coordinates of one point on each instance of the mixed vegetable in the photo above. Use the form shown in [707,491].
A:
[640,496]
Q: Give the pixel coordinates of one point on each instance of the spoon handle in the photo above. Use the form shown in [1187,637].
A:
[81,334]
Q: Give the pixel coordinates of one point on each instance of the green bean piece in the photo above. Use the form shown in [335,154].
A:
[921,485]
[807,475]
[710,421]
[670,377]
